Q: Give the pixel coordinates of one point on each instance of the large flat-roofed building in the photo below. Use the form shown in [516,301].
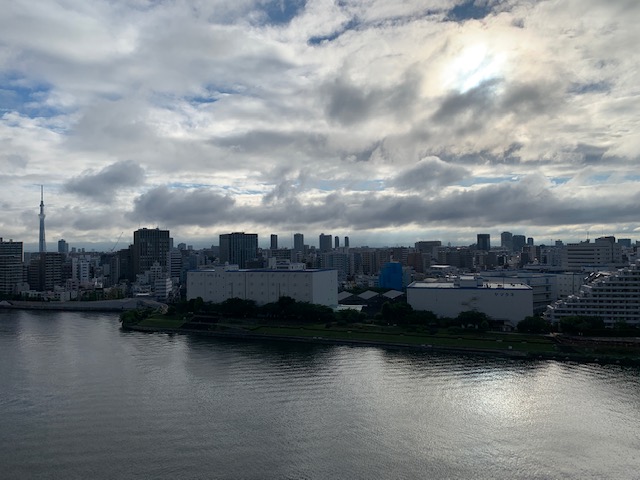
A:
[544,285]
[604,251]
[264,285]
[509,302]
[612,296]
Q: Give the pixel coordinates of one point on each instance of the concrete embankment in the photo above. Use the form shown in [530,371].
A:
[96,306]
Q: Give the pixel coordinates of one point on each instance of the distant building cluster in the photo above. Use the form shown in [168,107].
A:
[515,279]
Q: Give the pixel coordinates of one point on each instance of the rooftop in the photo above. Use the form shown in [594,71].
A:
[487,285]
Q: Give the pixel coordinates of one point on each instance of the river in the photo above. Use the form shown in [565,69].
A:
[79,398]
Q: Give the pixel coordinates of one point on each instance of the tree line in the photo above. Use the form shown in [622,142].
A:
[401,314]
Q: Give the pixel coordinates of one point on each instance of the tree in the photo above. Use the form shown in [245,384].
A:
[473,317]
[350,316]
[534,324]
[581,325]
[238,308]
[399,312]
[424,318]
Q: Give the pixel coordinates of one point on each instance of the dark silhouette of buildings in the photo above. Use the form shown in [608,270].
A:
[324,243]
[484,242]
[149,245]
[238,248]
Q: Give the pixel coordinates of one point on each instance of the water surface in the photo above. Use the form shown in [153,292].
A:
[79,398]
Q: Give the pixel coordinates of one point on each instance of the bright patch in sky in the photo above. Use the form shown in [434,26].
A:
[412,119]
[475,65]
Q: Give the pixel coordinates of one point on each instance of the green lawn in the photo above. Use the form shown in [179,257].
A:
[487,341]
[161,322]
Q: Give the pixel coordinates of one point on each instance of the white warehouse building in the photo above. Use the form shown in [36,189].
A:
[264,285]
[508,302]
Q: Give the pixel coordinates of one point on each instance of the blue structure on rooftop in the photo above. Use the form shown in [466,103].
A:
[391,276]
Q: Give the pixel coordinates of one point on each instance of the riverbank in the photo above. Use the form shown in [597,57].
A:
[515,348]
[118,305]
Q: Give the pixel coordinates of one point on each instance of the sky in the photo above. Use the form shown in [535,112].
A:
[390,121]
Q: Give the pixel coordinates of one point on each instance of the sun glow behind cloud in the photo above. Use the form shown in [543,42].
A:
[473,66]
[395,116]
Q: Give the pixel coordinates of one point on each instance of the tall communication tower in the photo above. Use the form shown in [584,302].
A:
[43,243]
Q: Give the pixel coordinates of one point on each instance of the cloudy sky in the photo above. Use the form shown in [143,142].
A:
[390,121]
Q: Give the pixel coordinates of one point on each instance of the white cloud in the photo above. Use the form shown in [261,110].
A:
[321,120]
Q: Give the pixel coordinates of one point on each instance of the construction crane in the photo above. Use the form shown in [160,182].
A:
[117,241]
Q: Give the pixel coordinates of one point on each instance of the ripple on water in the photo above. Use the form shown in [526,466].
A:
[82,399]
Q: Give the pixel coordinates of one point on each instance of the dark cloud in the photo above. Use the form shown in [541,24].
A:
[527,99]
[172,207]
[427,174]
[266,141]
[593,87]
[102,185]
[529,201]
[477,109]
[348,103]
[469,109]
[352,24]
[590,154]
[509,156]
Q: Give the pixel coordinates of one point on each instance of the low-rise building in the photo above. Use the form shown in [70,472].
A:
[507,302]
[544,285]
[612,296]
[318,286]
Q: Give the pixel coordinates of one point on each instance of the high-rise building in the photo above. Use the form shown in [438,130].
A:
[274,242]
[484,242]
[11,266]
[150,245]
[238,248]
[44,272]
[324,243]
[391,276]
[63,246]
[604,251]
[298,242]
[336,261]
[346,242]
[337,242]
[11,248]
[519,241]
[506,241]
[429,247]
[530,241]
[122,265]
[174,263]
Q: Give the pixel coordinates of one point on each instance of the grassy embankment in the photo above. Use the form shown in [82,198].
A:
[490,341]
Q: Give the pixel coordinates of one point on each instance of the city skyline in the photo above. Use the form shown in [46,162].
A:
[386,122]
